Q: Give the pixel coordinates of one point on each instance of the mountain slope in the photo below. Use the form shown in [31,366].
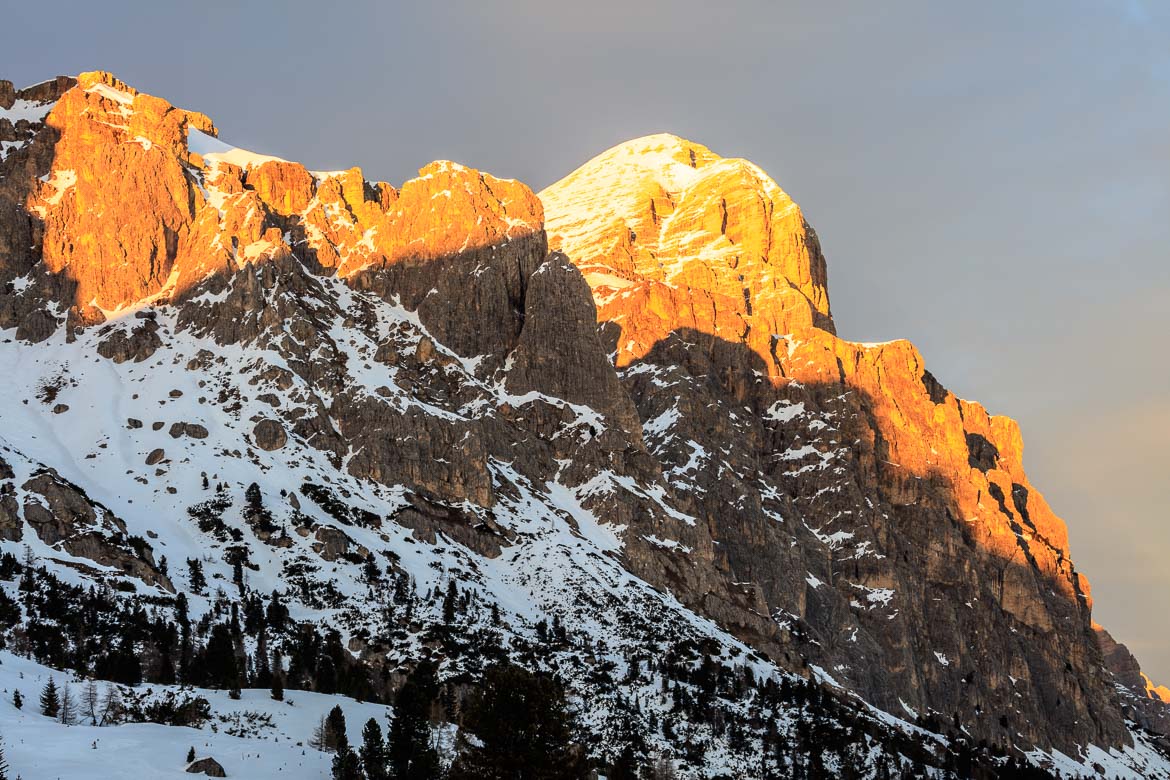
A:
[938,578]
[356,397]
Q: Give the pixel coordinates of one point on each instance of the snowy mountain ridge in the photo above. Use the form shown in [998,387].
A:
[363,427]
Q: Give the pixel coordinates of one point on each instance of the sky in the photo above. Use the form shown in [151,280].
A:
[989,180]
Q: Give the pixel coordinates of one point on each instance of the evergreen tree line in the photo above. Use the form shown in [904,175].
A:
[129,639]
[520,720]
[101,633]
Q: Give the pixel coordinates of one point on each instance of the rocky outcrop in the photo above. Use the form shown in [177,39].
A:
[136,342]
[194,430]
[669,234]
[65,518]
[1142,701]
[269,435]
[118,199]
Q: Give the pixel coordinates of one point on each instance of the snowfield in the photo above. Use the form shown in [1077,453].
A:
[39,748]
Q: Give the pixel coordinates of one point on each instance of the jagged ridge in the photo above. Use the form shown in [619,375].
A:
[419,352]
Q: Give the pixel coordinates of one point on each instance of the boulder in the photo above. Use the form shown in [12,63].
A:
[194,430]
[269,435]
[206,766]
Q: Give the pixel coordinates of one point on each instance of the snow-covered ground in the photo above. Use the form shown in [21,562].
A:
[277,746]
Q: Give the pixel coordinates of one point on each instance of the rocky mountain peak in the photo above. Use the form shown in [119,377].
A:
[658,215]
[711,295]
[126,199]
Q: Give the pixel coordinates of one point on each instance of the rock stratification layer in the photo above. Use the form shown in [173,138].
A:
[650,436]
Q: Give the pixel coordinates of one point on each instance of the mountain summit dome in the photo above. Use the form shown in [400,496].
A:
[666,210]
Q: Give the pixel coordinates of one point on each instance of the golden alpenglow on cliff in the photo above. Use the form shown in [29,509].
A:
[309,475]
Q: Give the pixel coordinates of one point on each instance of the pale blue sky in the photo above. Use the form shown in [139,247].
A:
[991,180]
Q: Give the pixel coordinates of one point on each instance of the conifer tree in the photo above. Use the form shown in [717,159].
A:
[195,576]
[191,754]
[166,668]
[50,699]
[276,614]
[17,699]
[346,765]
[67,713]
[277,686]
[334,734]
[449,600]
[27,583]
[253,498]
[410,755]
[373,751]
[522,722]
[263,674]
[181,609]
[221,669]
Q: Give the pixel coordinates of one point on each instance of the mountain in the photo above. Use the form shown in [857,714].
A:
[605,433]
[885,525]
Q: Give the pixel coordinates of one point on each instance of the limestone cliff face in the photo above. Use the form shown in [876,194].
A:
[667,373]
[1142,700]
[118,204]
[123,198]
[659,215]
[886,526]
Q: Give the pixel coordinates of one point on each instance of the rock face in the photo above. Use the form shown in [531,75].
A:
[650,426]
[189,207]
[659,215]
[1142,701]
[62,516]
[886,526]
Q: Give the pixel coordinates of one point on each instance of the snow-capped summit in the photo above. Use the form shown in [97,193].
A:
[664,209]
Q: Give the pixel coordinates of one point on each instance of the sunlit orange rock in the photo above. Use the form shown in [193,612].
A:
[450,209]
[116,202]
[706,264]
[131,211]
[660,210]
